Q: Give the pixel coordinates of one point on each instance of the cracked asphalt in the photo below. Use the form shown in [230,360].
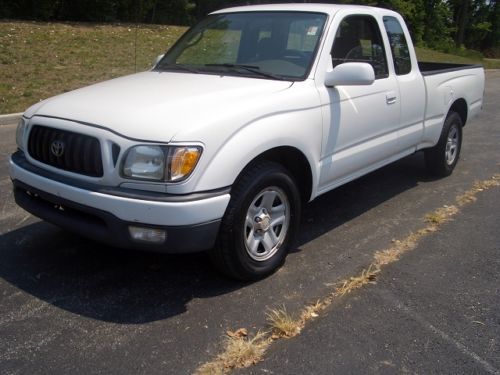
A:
[68,304]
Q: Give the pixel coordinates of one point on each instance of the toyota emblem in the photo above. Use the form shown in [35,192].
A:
[57,148]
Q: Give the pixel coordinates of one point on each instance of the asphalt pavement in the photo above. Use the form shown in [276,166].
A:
[68,304]
[436,311]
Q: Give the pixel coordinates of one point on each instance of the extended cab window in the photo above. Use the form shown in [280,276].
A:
[358,39]
[399,46]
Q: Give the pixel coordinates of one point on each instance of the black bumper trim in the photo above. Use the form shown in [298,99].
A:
[104,227]
[20,160]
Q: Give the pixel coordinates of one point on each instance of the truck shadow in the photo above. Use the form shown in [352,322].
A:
[103,283]
[341,205]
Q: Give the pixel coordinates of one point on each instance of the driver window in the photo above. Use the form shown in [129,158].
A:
[358,39]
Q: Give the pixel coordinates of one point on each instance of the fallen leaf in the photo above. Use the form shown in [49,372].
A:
[242,332]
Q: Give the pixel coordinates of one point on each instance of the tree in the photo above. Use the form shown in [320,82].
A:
[461,18]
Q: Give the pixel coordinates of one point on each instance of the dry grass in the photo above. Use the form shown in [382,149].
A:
[486,184]
[470,195]
[283,324]
[398,248]
[312,311]
[466,198]
[441,215]
[239,351]
[367,276]
[243,352]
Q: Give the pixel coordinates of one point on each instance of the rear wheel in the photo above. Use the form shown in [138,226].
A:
[258,227]
[443,157]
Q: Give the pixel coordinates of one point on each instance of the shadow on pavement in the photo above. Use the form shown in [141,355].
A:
[129,287]
[357,197]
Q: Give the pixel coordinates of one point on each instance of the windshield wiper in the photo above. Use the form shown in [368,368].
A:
[249,68]
[178,67]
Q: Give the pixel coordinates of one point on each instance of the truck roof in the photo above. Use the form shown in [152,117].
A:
[329,9]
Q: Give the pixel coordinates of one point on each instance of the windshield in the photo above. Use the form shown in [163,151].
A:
[271,45]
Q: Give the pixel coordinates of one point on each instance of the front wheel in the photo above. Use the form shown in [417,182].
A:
[441,159]
[258,227]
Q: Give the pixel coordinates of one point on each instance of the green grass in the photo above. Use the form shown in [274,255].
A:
[39,60]
[429,55]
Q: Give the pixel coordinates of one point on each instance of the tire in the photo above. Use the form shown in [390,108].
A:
[441,159]
[259,224]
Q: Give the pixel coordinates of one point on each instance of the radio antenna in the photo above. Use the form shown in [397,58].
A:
[139,3]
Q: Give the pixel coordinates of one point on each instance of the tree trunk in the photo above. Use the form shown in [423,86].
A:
[463,17]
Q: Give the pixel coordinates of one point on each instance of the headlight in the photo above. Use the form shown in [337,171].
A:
[145,162]
[21,128]
[161,163]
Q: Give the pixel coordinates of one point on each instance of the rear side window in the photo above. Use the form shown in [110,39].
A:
[399,46]
[358,39]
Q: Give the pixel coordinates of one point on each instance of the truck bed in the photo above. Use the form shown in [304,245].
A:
[444,84]
[431,68]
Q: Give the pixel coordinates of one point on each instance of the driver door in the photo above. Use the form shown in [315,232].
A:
[361,122]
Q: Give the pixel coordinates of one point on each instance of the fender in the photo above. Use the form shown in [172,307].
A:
[298,129]
[451,89]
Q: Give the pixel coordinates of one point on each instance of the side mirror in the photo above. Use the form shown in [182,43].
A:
[157,60]
[350,74]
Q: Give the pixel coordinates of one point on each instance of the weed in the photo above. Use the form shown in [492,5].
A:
[392,254]
[470,195]
[311,311]
[282,323]
[441,215]
[239,351]
[466,198]
[367,276]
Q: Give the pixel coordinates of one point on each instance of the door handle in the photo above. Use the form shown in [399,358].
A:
[391,98]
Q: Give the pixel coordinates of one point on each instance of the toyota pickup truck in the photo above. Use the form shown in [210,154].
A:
[254,112]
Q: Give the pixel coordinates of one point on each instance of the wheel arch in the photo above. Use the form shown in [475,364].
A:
[292,139]
[460,106]
[293,160]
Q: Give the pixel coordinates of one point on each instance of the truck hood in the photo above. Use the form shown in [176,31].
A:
[157,105]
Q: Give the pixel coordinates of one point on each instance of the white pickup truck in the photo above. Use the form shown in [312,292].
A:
[255,111]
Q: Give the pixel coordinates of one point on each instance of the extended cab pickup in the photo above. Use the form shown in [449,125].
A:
[254,112]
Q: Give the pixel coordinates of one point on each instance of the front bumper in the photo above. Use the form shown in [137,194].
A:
[105,214]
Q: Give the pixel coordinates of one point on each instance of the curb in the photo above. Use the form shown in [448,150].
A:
[11,118]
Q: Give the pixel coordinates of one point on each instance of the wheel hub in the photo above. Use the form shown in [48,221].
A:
[451,145]
[262,221]
[266,223]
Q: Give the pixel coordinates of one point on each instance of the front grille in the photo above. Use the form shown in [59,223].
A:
[66,150]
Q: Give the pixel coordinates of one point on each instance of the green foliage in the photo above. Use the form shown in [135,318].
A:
[33,9]
[171,12]
[483,24]
[413,13]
